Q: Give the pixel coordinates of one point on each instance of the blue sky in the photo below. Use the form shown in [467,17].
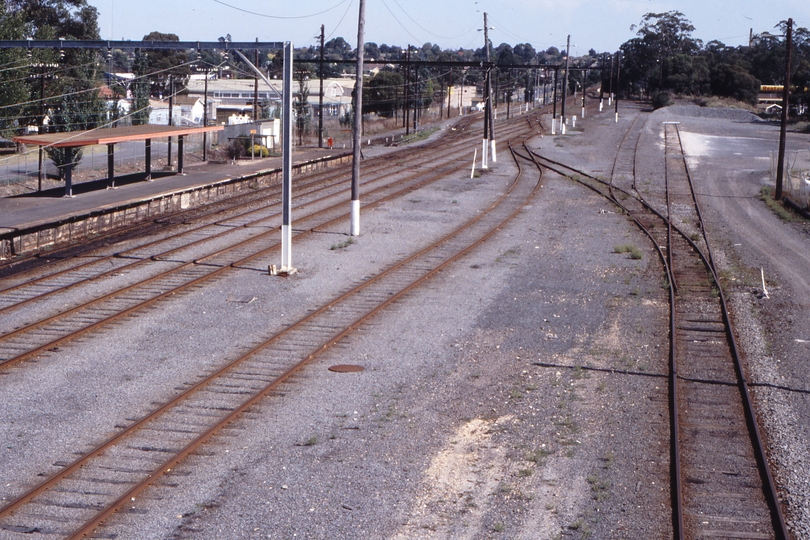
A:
[601,25]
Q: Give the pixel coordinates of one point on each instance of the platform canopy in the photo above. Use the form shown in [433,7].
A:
[112,135]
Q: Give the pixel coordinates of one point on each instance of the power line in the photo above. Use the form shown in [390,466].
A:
[340,21]
[428,31]
[278,16]
[400,22]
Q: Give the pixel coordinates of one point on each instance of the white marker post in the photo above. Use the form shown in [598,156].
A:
[475,156]
[494,155]
[484,164]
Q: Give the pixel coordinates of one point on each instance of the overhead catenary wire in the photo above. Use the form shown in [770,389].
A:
[400,22]
[283,17]
[340,21]
[472,28]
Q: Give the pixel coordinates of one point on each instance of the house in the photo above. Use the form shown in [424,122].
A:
[186,111]
[227,97]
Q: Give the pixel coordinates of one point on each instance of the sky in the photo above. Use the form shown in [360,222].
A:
[600,25]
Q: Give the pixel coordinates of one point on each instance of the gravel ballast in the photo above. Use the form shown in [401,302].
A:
[521,394]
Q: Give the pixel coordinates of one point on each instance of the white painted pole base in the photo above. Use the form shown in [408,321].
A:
[583,112]
[286,250]
[553,122]
[617,118]
[600,105]
[475,157]
[562,128]
[494,154]
[355,218]
[610,100]
[574,121]
[484,164]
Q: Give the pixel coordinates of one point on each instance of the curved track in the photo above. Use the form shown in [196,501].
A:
[722,486]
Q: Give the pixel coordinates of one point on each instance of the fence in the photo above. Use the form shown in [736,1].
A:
[19,173]
[796,180]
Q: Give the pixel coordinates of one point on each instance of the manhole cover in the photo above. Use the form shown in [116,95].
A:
[346,368]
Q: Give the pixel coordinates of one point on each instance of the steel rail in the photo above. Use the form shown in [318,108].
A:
[193,282]
[373,165]
[197,263]
[314,187]
[769,488]
[320,176]
[88,527]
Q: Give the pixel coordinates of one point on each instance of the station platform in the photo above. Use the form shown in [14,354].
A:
[31,222]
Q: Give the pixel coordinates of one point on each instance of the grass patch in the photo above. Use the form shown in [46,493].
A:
[419,135]
[632,251]
[775,206]
[600,488]
[539,455]
[342,245]
[312,441]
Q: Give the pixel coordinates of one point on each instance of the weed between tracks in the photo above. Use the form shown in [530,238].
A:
[633,251]
[342,245]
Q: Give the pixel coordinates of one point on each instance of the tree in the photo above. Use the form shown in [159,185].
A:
[13,89]
[81,106]
[140,110]
[161,64]
[659,58]
[733,81]
[381,93]
[301,106]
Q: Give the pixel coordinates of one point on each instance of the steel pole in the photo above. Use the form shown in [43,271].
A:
[358,121]
[320,98]
[286,161]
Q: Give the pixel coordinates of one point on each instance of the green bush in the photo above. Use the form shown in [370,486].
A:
[661,99]
[259,151]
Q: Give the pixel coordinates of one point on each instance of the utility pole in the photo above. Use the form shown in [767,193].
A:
[406,109]
[618,72]
[554,97]
[489,129]
[358,120]
[256,87]
[565,82]
[602,83]
[780,167]
[42,76]
[584,82]
[205,117]
[320,99]
[171,119]
[417,102]
[449,94]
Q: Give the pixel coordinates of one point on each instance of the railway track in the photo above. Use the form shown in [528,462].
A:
[722,486]
[77,500]
[74,304]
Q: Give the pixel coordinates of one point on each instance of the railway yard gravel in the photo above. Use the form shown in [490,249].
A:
[522,394]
